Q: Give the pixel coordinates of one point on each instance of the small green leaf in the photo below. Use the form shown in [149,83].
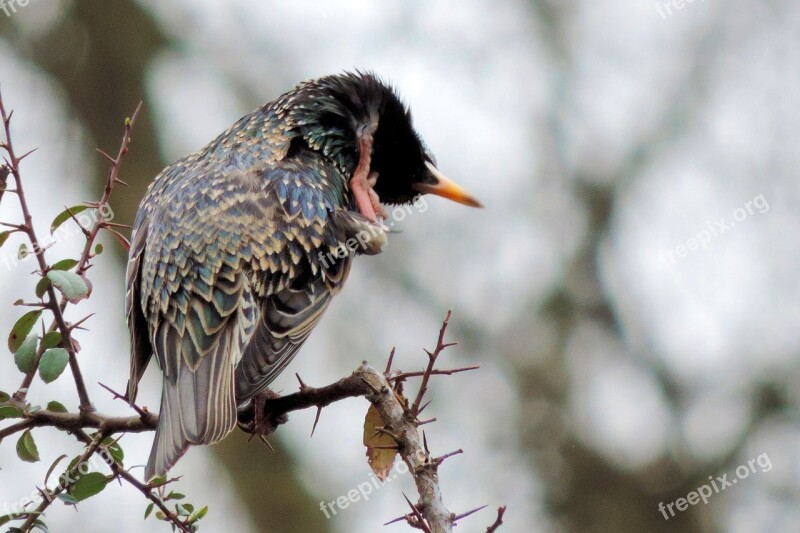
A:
[98,249]
[68,499]
[71,285]
[114,449]
[41,287]
[148,510]
[180,510]
[52,339]
[56,407]
[22,252]
[25,355]
[52,364]
[53,467]
[175,496]
[88,485]
[3,238]
[71,467]
[4,396]
[198,514]
[6,518]
[64,264]
[65,215]
[21,329]
[9,411]
[26,448]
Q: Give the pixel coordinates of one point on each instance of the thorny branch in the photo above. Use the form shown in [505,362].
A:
[86,417]
[55,305]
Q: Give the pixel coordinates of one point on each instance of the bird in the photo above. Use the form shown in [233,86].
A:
[236,249]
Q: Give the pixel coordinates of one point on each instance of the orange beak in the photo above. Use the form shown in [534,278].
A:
[446,188]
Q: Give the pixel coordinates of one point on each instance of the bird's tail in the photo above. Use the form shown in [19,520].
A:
[198,407]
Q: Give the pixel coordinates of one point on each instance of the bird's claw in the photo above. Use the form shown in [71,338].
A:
[253,419]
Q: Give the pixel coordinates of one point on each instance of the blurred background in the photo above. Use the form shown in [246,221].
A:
[630,290]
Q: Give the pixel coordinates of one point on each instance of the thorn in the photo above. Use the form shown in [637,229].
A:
[303,386]
[263,439]
[389,362]
[85,231]
[425,443]
[428,421]
[426,404]
[43,249]
[77,324]
[126,184]
[316,418]
[421,524]
[115,225]
[26,154]
[129,125]
[142,412]
[122,240]
[395,520]
[111,159]
[440,460]
[473,511]
[115,394]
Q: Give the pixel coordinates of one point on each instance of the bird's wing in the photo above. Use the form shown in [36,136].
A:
[141,350]
[285,320]
[305,190]
[209,246]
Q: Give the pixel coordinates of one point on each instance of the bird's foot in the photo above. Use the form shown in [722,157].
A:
[254,419]
[370,237]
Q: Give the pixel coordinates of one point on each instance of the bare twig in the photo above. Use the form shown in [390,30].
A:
[498,521]
[440,346]
[432,372]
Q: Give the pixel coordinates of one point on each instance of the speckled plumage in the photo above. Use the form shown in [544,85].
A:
[228,273]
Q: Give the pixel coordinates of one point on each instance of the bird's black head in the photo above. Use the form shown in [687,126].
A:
[356,119]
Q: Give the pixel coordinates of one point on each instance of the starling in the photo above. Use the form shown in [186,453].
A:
[236,249]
